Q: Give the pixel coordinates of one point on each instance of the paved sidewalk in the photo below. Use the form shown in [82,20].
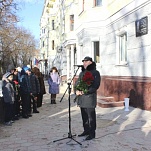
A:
[117,130]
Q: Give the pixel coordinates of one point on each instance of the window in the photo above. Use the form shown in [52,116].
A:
[75,55]
[96,46]
[43,43]
[53,44]
[97,2]
[71,22]
[53,25]
[122,49]
[43,30]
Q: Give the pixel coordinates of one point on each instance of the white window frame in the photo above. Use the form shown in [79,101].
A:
[121,48]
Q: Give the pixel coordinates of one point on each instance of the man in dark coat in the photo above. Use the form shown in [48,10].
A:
[25,90]
[29,86]
[87,101]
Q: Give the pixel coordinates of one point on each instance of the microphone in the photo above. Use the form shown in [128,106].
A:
[78,65]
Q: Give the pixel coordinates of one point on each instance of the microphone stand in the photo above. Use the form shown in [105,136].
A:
[69,92]
[70,82]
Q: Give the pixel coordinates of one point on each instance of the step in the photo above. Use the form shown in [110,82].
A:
[107,102]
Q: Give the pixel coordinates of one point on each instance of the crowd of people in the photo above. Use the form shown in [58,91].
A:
[23,90]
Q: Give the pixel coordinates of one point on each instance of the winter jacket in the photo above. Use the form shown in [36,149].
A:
[25,87]
[7,91]
[42,84]
[54,82]
[35,86]
[16,86]
[29,84]
[89,100]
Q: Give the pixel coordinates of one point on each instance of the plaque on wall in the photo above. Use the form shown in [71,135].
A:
[141,26]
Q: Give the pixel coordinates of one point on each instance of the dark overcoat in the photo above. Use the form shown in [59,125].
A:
[89,100]
[42,84]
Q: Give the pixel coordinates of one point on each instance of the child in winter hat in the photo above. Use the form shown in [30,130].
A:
[8,95]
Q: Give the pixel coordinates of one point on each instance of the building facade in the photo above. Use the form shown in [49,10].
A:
[58,39]
[116,35]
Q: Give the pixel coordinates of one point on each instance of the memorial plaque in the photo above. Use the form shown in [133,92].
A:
[141,26]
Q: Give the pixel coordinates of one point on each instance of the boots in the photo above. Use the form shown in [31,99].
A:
[54,101]
[35,107]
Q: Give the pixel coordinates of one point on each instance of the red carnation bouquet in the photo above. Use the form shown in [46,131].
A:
[85,82]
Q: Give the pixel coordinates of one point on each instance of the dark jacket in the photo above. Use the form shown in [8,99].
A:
[42,84]
[7,91]
[35,86]
[29,84]
[89,100]
[16,87]
[25,87]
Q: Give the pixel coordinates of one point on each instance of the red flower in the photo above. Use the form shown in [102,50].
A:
[15,82]
[88,78]
[85,82]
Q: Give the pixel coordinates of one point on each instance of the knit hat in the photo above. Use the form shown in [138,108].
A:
[10,68]
[29,66]
[19,69]
[8,74]
[26,68]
